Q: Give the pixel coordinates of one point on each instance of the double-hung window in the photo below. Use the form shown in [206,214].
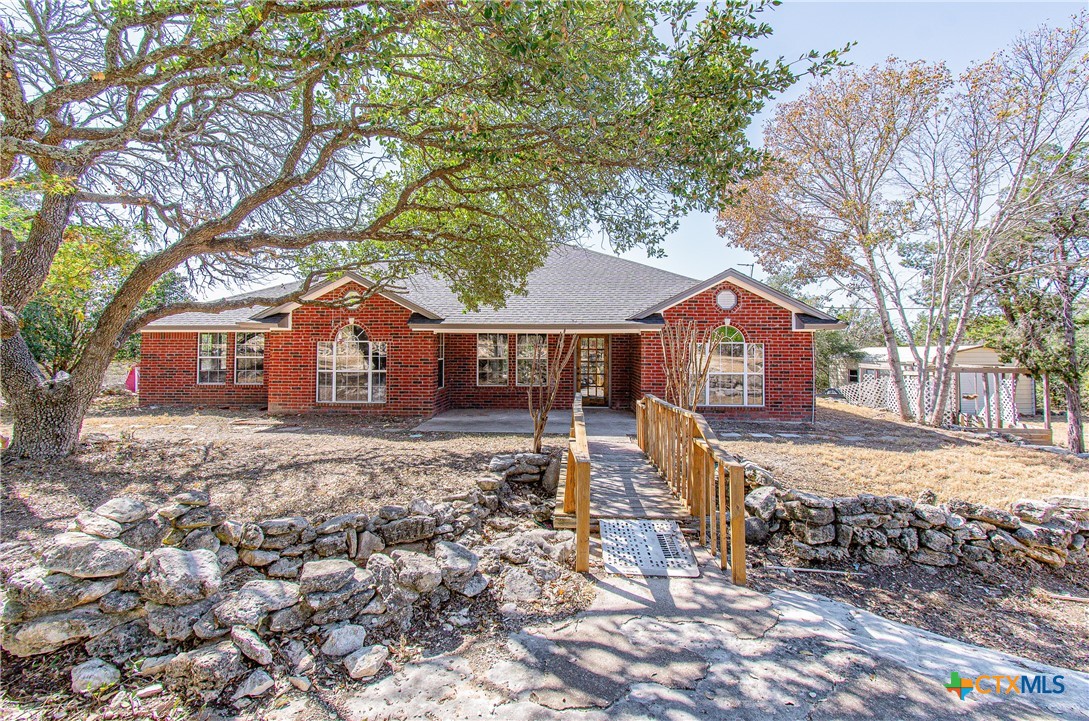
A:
[351,368]
[211,358]
[249,358]
[491,359]
[441,369]
[736,374]
[532,360]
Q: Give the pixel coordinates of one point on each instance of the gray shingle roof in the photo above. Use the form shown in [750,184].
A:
[575,287]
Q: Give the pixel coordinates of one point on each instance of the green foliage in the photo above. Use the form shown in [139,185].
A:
[89,267]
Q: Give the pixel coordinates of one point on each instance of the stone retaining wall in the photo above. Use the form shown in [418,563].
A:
[890,530]
[184,595]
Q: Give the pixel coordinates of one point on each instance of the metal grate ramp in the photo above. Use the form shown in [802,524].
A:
[646,548]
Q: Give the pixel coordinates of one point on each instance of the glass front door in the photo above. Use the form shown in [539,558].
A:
[593,369]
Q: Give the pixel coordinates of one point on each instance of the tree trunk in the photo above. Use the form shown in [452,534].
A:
[48,413]
[1075,440]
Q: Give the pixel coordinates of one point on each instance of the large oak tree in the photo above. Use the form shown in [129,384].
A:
[262,137]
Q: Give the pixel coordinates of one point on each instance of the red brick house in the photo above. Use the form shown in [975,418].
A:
[417,352]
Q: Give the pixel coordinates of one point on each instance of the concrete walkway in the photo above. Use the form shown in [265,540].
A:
[471,420]
[678,649]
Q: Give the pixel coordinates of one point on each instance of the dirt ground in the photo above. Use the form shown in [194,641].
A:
[253,465]
[1015,610]
[864,450]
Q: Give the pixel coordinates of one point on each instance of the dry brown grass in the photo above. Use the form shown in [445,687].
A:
[899,458]
[254,466]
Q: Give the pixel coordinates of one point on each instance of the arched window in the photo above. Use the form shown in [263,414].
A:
[736,374]
[351,368]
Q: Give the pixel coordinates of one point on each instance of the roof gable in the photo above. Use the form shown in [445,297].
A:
[750,284]
[333,283]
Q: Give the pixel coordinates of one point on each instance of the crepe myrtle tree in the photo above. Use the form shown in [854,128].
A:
[257,138]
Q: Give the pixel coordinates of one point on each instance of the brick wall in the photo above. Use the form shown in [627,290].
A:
[168,375]
[291,358]
[788,355]
[463,392]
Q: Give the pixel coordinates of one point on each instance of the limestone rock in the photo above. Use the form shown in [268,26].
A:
[230,532]
[258,559]
[819,553]
[366,662]
[935,540]
[84,556]
[987,514]
[325,576]
[40,591]
[95,525]
[119,601]
[125,642]
[817,516]
[255,684]
[191,498]
[457,563]
[809,500]
[756,529]
[344,640]
[281,526]
[342,523]
[550,481]
[227,558]
[285,568]
[813,535]
[471,587]
[882,556]
[367,544]
[251,645]
[249,605]
[176,577]
[208,667]
[94,675]
[331,545]
[202,538]
[250,536]
[48,633]
[931,514]
[201,517]
[406,530]
[1037,512]
[124,510]
[146,535]
[176,622]
[761,502]
[291,618]
[417,571]
[520,586]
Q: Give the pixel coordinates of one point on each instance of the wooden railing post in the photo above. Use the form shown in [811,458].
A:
[701,473]
[582,519]
[737,523]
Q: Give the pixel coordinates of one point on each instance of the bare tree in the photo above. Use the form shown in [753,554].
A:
[687,353]
[545,373]
[976,174]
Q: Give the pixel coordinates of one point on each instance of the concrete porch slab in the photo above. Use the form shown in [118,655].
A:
[599,422]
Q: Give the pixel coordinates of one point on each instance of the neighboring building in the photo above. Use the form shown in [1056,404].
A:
[416,351]
[969,382]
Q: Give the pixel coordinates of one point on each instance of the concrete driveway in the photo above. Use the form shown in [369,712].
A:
[599,422]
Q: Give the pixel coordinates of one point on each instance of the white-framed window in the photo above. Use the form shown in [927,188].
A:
[249,359]
[211,358]
[441,366]
[492,362]
[351,368]
[530,347]
[736,374]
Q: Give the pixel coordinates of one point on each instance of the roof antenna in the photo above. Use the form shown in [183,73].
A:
[750,266]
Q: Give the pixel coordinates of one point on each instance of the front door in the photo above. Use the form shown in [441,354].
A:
[593,369]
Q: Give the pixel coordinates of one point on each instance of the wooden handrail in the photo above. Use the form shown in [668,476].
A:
[576,494]
[699,469]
